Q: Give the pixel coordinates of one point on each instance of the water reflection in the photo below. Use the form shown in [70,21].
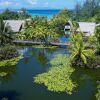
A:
[44,55]
[86,79]
[9,95]
[26,60]
[9,71]
[42,59]
[83,75]
[22,50]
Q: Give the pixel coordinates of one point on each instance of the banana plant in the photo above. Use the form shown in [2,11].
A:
[78,48]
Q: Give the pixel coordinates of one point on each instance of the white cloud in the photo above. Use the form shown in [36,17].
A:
[9,3]
[32,2]
[17,4]
[6,3]
[46,4]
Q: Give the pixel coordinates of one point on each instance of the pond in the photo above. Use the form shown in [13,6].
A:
[19,85]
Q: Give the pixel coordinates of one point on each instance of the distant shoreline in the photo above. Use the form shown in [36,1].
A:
[37,12]
[46,13]
[29,9]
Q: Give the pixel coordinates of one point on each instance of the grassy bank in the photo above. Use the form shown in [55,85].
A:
[10,62]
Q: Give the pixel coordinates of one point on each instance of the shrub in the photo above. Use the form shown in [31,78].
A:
[92,62]
[77,62]
[79,51]
[8,52]
[57,79]
[98,93]
[97,34]
[10,62]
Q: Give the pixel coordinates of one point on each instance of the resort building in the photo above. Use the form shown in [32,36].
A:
[88,28]
[15,25]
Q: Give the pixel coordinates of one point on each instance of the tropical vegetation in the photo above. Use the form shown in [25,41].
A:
[58,78]
[98,92]
[44,30]
[79,51]
[39,29]
[13,15]
[97,34]
[89,10]
[8,53]
[6,34]
[9,63]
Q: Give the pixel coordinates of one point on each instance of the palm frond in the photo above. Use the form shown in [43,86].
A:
[88,52]
[73,55]
[84,58]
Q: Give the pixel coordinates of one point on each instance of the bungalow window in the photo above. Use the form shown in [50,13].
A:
[67,29]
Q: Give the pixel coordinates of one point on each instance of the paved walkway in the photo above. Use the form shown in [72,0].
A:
[32,42]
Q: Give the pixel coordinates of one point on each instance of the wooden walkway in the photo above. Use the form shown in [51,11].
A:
[38,43]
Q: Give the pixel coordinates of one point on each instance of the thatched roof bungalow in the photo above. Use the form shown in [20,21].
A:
[15,25]
[88,28]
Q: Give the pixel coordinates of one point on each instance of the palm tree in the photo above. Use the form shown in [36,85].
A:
[79,50]
[97,35]
[5,33]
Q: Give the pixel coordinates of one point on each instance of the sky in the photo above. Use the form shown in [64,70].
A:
[38,4]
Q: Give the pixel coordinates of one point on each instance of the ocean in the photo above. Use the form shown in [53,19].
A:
[47,13]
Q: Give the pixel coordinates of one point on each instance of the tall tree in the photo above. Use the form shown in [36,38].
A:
[78,11]
[90,7]
[8,15]
[23,14]
[88,10]
[59,20]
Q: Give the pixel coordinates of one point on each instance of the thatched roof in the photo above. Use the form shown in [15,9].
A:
[15,25]
[87,27]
